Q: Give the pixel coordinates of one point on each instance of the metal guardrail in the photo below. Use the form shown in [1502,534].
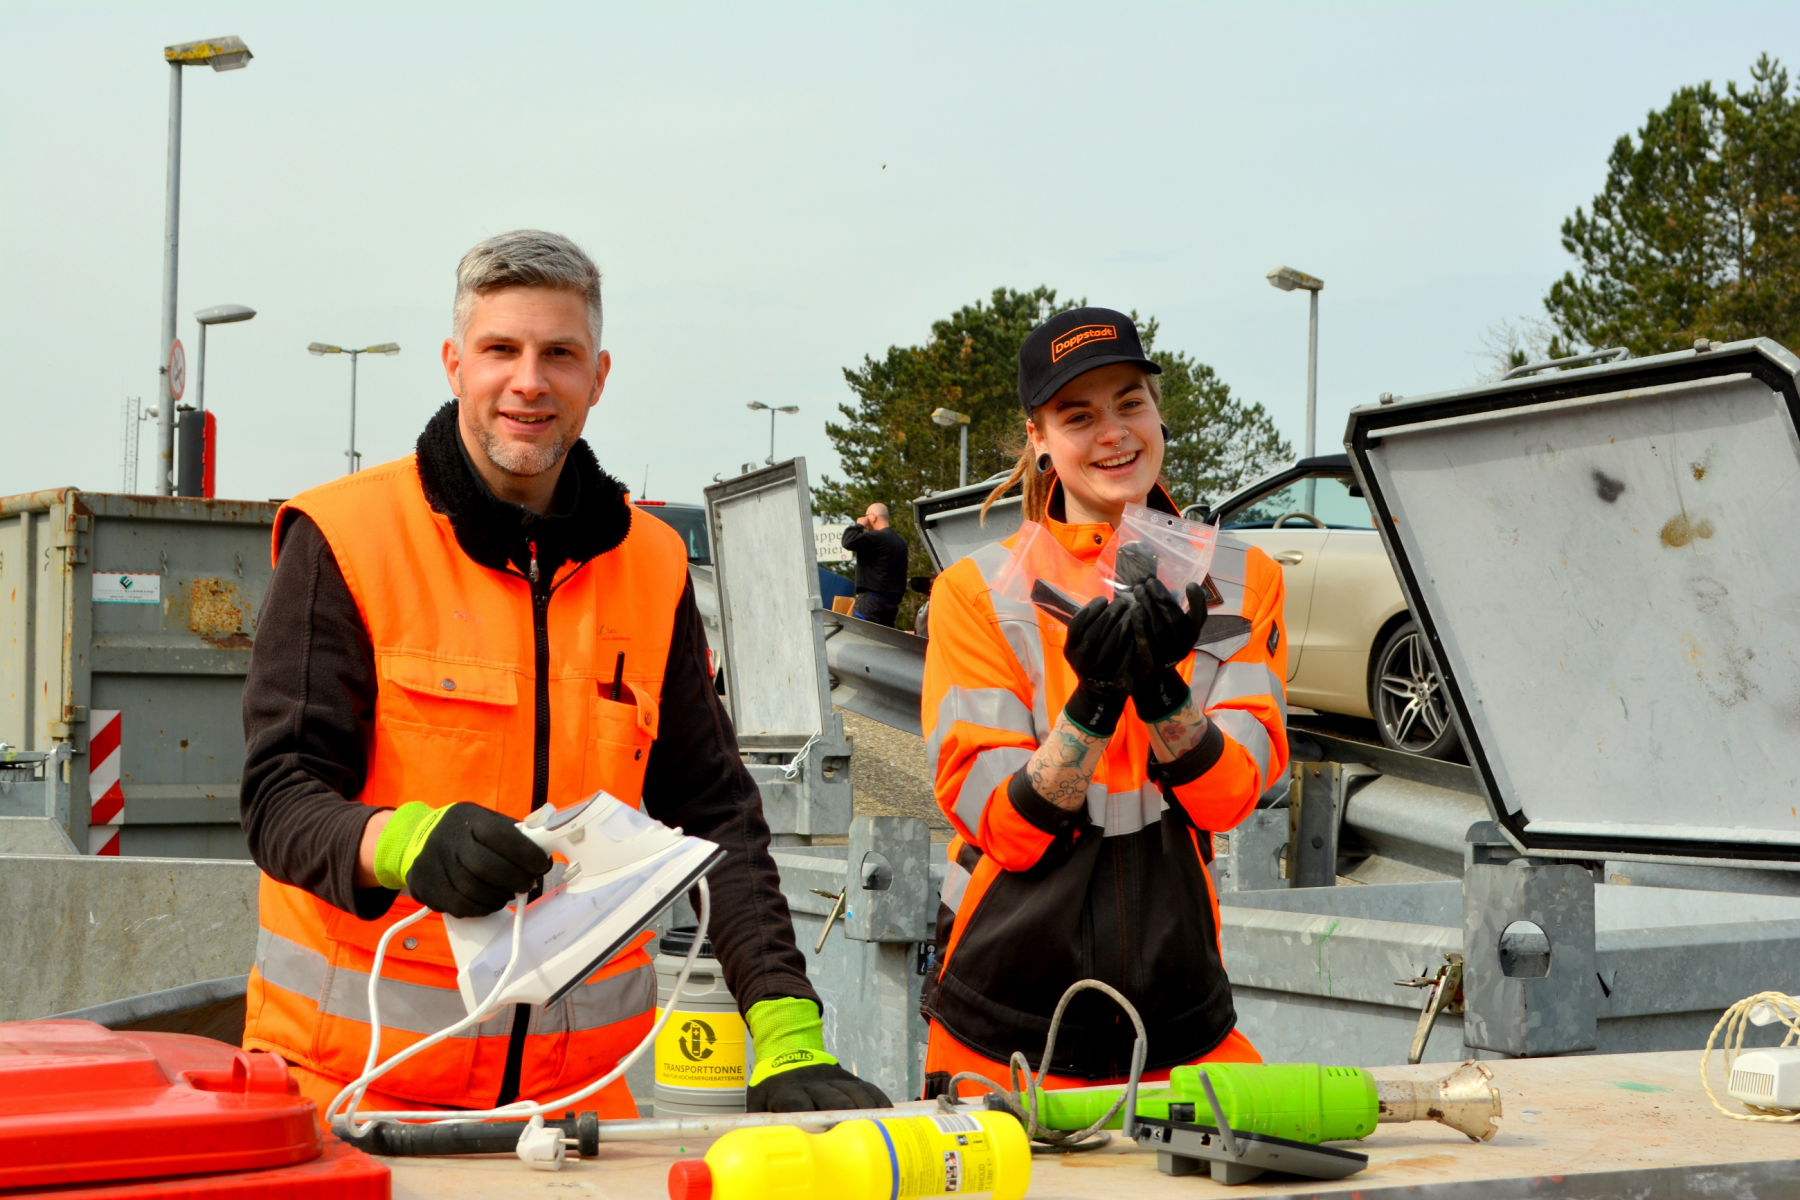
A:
[876,672]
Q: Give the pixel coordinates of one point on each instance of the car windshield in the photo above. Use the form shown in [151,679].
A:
[1324,497]
[690,523]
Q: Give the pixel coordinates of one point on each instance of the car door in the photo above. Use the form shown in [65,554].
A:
[1278,522]
[1355,594]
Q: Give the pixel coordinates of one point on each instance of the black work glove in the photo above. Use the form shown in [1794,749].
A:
[823,1087]
[1166,634]
[474,862]
[1104,651]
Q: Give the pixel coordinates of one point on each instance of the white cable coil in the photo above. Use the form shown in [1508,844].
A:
[1764,1008]
[353,1091]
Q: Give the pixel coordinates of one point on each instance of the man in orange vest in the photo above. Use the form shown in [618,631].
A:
[436,657]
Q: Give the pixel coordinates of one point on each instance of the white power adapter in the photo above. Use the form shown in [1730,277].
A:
[1767,1078]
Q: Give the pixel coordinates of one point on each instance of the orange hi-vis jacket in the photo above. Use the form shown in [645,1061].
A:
[1120,892]
[466,681]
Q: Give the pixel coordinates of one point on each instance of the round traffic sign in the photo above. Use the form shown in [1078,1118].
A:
[177,370]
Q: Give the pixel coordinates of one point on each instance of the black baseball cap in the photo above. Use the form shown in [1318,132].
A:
[1073,343]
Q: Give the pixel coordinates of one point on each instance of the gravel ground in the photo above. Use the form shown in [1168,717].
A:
[888,776]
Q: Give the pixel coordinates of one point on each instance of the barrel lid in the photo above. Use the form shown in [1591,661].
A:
[80,1103]
[679,940]
[1599,559]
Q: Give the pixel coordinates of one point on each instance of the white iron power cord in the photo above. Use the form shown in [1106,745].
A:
[353,1092]
[1764,1008]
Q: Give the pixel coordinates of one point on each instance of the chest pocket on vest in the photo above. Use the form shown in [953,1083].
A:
[440,728]
[619,734]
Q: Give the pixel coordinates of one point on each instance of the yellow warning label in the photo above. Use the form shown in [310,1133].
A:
[701,1050]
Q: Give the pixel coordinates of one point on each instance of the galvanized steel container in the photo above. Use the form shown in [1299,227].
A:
[143,606]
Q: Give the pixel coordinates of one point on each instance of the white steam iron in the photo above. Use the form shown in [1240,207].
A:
[623,869]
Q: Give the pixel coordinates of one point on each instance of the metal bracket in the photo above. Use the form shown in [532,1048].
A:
[837,910]
[1443,994]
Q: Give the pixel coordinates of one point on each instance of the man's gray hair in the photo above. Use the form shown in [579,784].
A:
[526,258]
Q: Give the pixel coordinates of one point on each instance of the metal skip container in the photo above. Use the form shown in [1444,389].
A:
[702,1059]
[1593,556]
[125,631]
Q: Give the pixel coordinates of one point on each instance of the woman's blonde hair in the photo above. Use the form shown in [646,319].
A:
[1040,485]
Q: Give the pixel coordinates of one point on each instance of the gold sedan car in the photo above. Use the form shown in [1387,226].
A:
[1353,649]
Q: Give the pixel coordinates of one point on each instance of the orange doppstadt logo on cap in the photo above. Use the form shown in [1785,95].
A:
[1080,336]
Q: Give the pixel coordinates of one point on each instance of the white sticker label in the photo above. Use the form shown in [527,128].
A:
[957,1123]
[113,588]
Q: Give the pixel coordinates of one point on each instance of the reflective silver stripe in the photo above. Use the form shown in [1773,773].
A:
[413,1007]
[1206,669]
[994,708]
[1247,732]
[1230,572]
[599,1004]
[956,882]
[1019,626]
[422,1008]
[1238,680]
[1119,813]
[991,768]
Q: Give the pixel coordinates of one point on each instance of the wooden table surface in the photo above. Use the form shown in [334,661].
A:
[1592,1125]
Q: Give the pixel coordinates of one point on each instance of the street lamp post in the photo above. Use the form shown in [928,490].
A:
[387,348]
[759,406]
[222,314]
[948,417]
[191,470]
[221,54]
[1288,279]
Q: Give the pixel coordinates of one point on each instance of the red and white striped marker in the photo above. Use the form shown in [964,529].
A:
[106,804]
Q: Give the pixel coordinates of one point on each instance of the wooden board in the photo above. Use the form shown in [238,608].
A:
[1589,1126]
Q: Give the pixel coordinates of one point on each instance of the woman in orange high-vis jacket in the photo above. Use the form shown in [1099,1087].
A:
[1083,829]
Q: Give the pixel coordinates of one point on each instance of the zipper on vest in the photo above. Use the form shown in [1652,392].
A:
[540,794]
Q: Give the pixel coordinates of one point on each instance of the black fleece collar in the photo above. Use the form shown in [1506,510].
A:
[589,515]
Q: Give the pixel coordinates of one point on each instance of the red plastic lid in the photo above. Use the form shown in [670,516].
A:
[81,1104]
[690,1179]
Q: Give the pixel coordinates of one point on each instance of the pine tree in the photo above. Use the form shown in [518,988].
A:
[1697,230]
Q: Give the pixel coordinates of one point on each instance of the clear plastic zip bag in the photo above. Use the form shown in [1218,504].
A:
[1043,574]
[1148,543]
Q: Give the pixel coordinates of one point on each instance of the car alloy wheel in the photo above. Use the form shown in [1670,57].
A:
[1408,697]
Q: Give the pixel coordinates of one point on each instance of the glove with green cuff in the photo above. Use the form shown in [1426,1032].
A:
[462,859]
[793,1073]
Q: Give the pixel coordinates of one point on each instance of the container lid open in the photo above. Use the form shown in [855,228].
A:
[1603,561]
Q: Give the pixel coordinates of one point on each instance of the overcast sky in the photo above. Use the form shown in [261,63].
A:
[773,192]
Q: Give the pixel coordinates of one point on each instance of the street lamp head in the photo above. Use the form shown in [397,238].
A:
[224,314]
[757,406]
[388,348]
[322,348]
[789,408]
[220,53]
[948,417]
[1287,279]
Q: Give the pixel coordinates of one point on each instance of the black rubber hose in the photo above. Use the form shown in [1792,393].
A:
[400,1139]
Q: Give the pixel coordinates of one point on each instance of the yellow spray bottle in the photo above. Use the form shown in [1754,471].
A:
[981,1154]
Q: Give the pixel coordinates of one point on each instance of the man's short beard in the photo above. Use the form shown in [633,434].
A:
[524,461]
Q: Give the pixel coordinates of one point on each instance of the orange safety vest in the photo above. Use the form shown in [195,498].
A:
[1133,902]
[455,720]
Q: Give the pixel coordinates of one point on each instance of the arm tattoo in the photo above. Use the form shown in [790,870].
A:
[1060,768]
[1175,735]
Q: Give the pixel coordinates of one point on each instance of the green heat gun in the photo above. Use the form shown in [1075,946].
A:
[1302,1102]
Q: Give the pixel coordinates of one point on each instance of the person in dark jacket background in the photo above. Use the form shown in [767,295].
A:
[880,565]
